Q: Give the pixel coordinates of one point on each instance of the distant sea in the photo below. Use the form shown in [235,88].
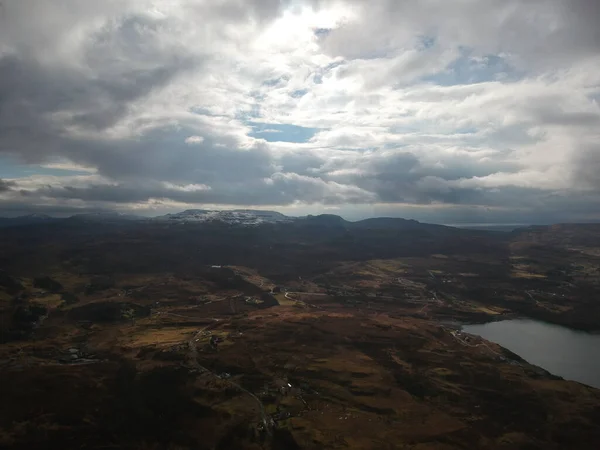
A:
[506,227]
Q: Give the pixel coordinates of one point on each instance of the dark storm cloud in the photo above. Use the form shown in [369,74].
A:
[585,16]
[11,208]
[305,162]
[571,119]
[6,185]
[460,166]
[550,110]
[163,155]
[279,189]
[147,66]
[586,173]
[401,177]
[121,63]
[114,193]
[391,177]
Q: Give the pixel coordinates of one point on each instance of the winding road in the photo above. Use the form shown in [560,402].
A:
[193,357]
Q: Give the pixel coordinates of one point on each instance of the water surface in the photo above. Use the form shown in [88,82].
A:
[573,355]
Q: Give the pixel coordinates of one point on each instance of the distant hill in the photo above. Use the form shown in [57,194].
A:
[235,217]
[242,217]
[328,220]
[393,223]
[108,216]
[30,219]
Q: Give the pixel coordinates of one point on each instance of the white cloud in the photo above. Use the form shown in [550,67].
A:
[187,187]
[194,140]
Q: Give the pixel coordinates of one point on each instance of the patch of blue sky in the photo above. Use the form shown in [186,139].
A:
[467,69]
[322,32]
[299,93]
[246,116]
[426,42]
[275,132]
[201,111]
[11,168]
[276,81]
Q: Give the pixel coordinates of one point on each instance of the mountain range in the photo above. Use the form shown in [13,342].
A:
[242,217]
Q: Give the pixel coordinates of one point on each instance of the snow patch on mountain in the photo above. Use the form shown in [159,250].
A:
[236,216]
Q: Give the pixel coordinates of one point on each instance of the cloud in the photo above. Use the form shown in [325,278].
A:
[311,103]
[537,33]
[587,169]
[6,185]
[279,189]
[194,140]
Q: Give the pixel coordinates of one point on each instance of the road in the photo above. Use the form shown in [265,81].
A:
[193,356]
[305,293]
[531,297]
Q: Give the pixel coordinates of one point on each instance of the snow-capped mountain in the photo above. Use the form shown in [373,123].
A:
[236,216]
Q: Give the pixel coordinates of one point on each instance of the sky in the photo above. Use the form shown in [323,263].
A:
[446,111]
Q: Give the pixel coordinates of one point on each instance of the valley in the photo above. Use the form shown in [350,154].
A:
[317,333]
